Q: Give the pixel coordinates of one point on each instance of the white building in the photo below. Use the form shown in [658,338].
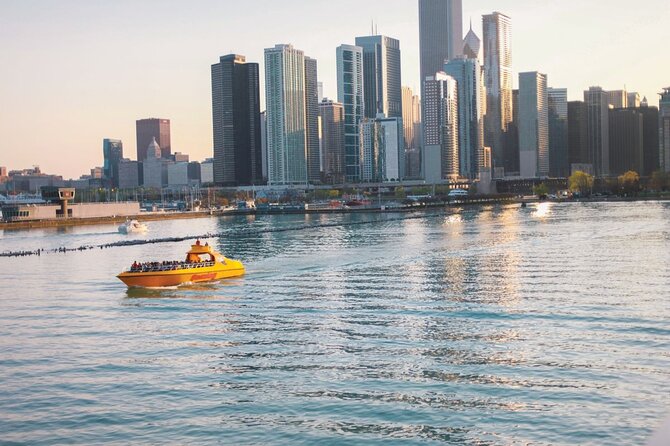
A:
[382,149]
[533,125]
[286,115]
[155,168]
[441,137]
[207,171]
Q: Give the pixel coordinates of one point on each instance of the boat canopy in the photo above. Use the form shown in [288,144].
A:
[197,250]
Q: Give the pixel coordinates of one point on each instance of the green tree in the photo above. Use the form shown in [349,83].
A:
[581,182]
[400,192]
[629,183]
[541,190]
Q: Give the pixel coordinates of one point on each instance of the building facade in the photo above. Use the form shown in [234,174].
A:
[626,127]
[578,138]
[236,122]
[497,37]
[312,121]
[469,79]
[149,129]
[130,174]
[112,150]
[440,34]
[597,120]
[559,166]
[651,158]
[331,138]
[382,80]
[533,125]
[286,115]
[381,149]
[350,95]
[441,136]
[664,130]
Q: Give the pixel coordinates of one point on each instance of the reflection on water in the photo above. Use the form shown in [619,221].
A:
[491,326]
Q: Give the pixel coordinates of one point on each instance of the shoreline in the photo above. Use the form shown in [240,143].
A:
[149,217]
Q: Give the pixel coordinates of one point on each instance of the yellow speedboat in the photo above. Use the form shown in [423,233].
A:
[202,264]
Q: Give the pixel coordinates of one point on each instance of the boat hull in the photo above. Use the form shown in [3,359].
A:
[163,279]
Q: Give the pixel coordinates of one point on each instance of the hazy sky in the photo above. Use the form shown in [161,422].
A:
[73,72]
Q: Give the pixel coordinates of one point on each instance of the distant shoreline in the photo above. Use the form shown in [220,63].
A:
[43,224]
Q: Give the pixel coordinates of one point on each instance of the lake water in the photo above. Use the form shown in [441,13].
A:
[490,326]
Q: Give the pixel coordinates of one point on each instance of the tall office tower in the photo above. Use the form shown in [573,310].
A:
[578,137]
[312,121]
[512,138]
[286,120]
[559,166]
[129,174]
[472,46]
[626,140]
[112,150]
[147,130]
[664,130]
[499,84]
[382,149]
[236,122]
[381,76]
[155,167]
[597,105]
[533,125]
[440,128]
[634,100]
[411,116]
[350,94]
[332,141]
[469,78]
[650,139]
[264,145]
[440,34]
[617,98]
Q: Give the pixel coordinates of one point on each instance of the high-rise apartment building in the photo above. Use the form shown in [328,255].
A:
[441,137]
[112,150]
[664,130]
[147,130]
[533,125]
[236,122]
[597,106]
[578,138]
[411,117]
[382,80]
[626,140]
[331,137]
[651,159]
[382,149]
[312,121]
[469,80]
[617,98]
[559,166]
[350,94]
[286,115]
[497,39]
[440,34]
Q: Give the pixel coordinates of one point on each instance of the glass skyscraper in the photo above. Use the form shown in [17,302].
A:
[350,95]
[381,76]
[440,34]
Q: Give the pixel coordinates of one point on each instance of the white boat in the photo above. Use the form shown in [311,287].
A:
[133,227]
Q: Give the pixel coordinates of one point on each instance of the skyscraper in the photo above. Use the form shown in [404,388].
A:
[578,138]
[597,107]
[382,80]
[350,94]
[382,149]
[664,130]
[332,141]
[441,137]
[499,84]
[634,100]
[617,98]
[651,157]
[472,46]
[559,166]
[112,150]
[147,130]
[626,140]
[533,125]
[312,121]
[236,122]
[286,115]
[411,116]
[469,78]
[440,34]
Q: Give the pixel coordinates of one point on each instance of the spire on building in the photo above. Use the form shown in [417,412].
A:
[154,149]
[644,102]
[472,45]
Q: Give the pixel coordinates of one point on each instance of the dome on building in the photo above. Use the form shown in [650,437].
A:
[472,45]
[154,149]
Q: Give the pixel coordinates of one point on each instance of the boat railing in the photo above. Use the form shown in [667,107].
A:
[172,266]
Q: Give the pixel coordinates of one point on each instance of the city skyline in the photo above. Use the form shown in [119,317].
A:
[99,83]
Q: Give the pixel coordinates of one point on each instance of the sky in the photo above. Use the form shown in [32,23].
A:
[73,72]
